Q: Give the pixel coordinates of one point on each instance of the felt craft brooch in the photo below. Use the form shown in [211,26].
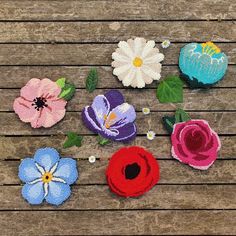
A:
[47,177]
[110,117]
[42,102]
[202,65]
[137,62]
[193,141]
[132,171]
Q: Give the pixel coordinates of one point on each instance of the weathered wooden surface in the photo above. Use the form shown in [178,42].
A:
[66,39]
[118,10]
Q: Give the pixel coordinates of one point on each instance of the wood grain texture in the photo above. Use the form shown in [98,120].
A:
[100,197]
[214,99]
[172,172]
[221,122]
[118,10]
[18,76]
[103,32]
[118,222]
[83,54]
[20,147]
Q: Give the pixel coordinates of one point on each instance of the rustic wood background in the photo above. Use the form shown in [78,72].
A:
[67,38]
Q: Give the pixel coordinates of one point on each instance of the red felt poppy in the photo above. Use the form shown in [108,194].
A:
[132,171]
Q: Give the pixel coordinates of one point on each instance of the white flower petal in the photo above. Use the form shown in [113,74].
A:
[119,70]
[139,77]
[154,59]
[57,179]
[45,187]
[149,72]
[40,168]
[118,57]
[35,181]
[137,46]
[129,77]
[124,46]
[53,168]
[148,47]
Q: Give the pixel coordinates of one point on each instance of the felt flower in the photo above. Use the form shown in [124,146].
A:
[202,64]
[165,43]
[195,143]
[146,110]
[132,171]
[47,177]
[110,117]
[92,159]
[39,103]
[137,62]
[151,135]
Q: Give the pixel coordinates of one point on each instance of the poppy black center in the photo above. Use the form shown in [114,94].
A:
[132,171]
[39,102]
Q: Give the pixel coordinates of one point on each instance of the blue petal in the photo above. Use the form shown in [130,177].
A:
[46,157]
[67,170]
[28,170]
[33,193]
[58,192]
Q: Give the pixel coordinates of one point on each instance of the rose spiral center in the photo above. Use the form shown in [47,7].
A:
[39,103]
[195,141]
[132,171]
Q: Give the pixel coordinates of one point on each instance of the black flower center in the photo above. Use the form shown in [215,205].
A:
[39,103]
[132,171]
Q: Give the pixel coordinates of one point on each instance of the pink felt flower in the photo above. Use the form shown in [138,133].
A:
[39,103]
[195,143]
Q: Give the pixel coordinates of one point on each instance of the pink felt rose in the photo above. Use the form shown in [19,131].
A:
[195,143]
[39,103]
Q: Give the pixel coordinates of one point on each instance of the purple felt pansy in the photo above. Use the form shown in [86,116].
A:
[110,117]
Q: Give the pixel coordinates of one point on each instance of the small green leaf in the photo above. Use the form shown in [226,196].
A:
[103,141]
[181,116]
[61,82]
[170,90]
[92,80]
[73,140]
[67,91]
[169,122]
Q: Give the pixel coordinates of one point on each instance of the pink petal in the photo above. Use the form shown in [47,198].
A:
[48,89]
[24,109]
[30,90]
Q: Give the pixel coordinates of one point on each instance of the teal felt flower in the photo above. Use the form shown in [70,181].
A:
[47,177]
[202,64]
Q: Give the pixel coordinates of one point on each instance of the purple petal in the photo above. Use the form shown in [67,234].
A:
[89,119]
[101,108]
[120,116]
[115,98]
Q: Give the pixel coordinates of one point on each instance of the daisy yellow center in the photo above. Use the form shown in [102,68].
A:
[210,48]
[137,62]
[47,177]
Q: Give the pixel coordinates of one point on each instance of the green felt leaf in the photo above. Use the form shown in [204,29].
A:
[169,122]
[61,82]
[92,80]
[170,90]
[73,139]
[103,141]
[181,116]
[67,91]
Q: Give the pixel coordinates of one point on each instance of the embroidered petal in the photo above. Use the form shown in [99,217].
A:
[127,132]
[46,157]
[33,193]
[58,193]
[115,98]
[28,171]
[67,170]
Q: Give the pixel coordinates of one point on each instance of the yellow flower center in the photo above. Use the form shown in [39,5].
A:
[137,62]
[109,119]
[47,177]
[210,48]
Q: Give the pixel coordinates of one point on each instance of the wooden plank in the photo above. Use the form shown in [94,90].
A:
[18,76]
[118,222]
[172,172]
[83,54]
[214,99]
[221,122]
[20,147]
[160,197]
[120,10]
[43,32]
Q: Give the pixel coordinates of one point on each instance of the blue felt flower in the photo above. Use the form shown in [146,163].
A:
[202,64]
[47,177]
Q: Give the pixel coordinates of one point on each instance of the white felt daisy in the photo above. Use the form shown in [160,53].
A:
[151,135]
[137,62]
[165,43]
